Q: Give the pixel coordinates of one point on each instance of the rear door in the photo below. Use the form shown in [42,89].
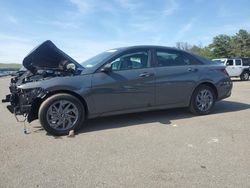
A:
[130,84]
[238,67]
[176,76]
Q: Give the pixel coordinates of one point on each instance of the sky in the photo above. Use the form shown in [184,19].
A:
[83,28]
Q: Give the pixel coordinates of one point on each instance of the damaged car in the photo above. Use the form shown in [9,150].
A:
[63,93]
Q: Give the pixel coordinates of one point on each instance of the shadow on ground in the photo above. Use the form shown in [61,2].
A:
[163,116]
[240,81]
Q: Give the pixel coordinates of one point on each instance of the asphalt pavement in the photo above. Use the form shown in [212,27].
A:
[167,148]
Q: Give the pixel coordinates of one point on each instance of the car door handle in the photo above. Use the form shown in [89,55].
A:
[192,69]
[146,74]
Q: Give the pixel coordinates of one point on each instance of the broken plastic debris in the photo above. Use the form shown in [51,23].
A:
[26,131]
[203,166]
[71,133]
[213,140]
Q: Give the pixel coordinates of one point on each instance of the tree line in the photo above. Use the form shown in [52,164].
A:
[222,46]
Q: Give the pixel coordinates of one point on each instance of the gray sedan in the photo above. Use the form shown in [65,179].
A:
[63,93]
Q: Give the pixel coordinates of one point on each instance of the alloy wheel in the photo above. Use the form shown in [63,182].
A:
[62,115]
[204,100]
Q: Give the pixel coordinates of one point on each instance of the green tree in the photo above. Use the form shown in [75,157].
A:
[199,50]
[202,51]
[237,45]
[241,44]
[221,46]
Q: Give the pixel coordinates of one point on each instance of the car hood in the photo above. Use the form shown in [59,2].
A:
[47,56]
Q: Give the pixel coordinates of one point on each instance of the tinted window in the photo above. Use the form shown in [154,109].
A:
[230,62]
[219,61]
[174,58]
[203,60]
[136,60]
[246,62]
[194,61]
[238,62]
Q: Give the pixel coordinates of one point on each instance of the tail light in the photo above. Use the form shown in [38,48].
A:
[225,72]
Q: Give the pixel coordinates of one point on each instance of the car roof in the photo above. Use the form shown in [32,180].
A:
[231,58]
[146,47]
[220,59]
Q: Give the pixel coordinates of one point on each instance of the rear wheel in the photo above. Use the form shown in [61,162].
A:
[244,76]
[202,101]
[61,113]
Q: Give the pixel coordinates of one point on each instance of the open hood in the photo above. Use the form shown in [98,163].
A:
[47,56]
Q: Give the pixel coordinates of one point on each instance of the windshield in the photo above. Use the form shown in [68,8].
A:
[94,61]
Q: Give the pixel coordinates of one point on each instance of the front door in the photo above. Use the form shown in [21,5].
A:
[129,85]
[231,68]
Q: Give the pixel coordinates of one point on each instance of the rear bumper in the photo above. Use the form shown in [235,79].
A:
[224,89]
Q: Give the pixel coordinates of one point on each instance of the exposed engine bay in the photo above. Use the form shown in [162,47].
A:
[27,76]
[43,63]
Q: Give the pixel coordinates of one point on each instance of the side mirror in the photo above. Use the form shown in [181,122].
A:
[107,68]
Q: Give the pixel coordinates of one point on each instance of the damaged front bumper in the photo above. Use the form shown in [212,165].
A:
[22,101]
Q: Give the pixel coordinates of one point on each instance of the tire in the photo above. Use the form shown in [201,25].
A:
[196,103]
[244,76]
[61,113]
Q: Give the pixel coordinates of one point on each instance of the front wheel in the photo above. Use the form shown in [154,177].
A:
[244,76]
[61,113]
[202,101]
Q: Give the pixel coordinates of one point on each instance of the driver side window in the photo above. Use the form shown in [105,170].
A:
[136,60]
[230,62]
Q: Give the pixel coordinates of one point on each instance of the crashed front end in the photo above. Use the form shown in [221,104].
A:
[43,63]
[23,101]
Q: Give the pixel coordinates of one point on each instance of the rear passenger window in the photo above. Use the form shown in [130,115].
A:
[238,62]
[174,58]
[230,62]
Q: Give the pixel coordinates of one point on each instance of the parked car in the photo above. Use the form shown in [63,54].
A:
[236,67]
[62,93]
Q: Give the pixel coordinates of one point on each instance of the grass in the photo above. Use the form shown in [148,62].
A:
[10,66]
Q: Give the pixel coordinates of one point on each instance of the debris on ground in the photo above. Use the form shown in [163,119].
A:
[71,133]
[26,131]
[213,140]
[202,166]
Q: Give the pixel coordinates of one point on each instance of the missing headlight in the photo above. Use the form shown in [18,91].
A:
[28,95]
